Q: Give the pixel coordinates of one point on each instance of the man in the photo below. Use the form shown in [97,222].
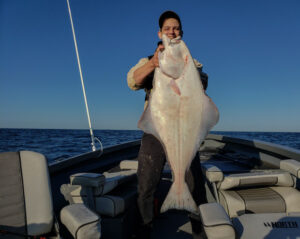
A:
[151,156]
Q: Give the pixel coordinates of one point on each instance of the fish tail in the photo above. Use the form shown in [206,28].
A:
[180,201]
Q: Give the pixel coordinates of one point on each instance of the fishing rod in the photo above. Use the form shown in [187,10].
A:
[93,138]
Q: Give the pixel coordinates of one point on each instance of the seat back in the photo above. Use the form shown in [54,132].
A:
[25,194]
[261,191]
[259,178]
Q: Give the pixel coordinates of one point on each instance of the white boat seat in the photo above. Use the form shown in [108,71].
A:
[25,194]
[216,222]
[291,166]
[259,191]
[108,194]
[81,222]
[129,164]
[260,200]
[94,180]
[100,183]
[256,179]
[111,204]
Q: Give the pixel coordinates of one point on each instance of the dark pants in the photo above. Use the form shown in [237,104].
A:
[151,162]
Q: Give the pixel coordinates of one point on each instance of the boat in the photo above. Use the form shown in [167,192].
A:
[219,155]
[93,195]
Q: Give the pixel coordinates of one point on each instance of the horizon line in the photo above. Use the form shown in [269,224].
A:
[212,131]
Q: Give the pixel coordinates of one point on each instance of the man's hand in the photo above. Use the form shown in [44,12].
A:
[154,59]
[141,73]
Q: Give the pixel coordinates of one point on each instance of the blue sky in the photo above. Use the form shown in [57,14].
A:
[250,50]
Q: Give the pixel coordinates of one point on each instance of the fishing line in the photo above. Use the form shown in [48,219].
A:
[82,84]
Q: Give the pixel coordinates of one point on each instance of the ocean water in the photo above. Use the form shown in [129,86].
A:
[60,144]
[289,139]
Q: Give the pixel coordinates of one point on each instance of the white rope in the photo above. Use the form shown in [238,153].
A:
[82,83]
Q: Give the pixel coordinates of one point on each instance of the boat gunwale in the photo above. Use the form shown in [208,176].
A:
[69,162]
[281,150]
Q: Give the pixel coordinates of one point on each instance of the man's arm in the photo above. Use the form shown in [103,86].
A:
[140,74]
[137,76]
[130,79]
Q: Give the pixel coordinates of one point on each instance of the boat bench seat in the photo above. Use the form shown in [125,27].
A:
[25,194]
[26,207]
[258,191]
[108,194]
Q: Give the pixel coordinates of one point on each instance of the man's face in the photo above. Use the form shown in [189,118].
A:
[171,28]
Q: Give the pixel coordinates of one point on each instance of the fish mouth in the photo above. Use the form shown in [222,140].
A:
[170,41]
[176,40]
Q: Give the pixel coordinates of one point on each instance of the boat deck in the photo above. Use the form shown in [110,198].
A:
[172,224]
[229,154]
[175,224]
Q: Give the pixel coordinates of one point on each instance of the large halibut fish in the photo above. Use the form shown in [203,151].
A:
[179,114]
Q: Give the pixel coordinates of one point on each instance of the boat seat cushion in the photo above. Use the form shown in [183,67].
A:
[257,178]
[101,183]
[113,180]
[291,197]
[260,200]
[212,173]
[291,166]
[88,179]
[114,203]
[129,164]
[117,202]
[81,221]
[215,221]
[112,198]
[27,206]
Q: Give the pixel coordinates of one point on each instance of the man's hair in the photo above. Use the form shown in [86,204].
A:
[166,15]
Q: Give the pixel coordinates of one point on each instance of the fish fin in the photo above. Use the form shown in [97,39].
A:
[145,122]
[211,116]
[183,200]
[209,119]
